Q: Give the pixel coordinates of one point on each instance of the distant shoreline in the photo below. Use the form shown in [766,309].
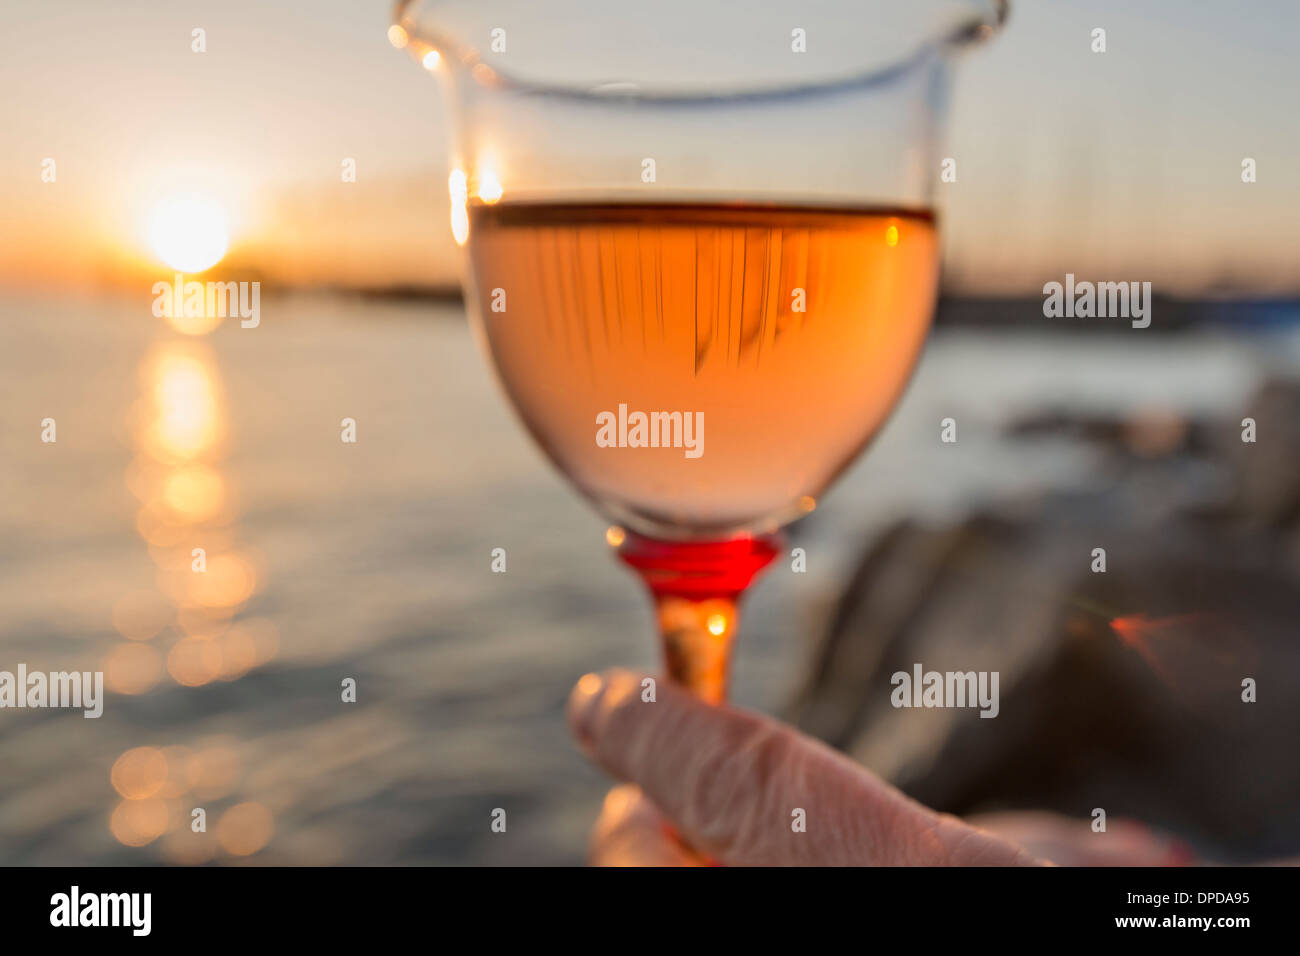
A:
[1170,313]
[404,293]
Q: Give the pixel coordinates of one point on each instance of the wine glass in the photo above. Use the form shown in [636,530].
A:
[702,256]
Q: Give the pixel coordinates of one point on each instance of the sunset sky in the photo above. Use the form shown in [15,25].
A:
[1125,162]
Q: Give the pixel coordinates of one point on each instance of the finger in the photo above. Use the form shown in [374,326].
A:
[748,790]
[1071,842]
[631,832]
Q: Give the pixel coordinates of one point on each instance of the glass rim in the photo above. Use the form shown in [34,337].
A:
[419,41]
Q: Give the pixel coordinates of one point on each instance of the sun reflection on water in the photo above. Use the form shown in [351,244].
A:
[192,628]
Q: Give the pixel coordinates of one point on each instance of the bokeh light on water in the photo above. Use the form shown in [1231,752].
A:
[189,628]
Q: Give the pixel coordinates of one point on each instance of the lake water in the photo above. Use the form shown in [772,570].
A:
[371,561]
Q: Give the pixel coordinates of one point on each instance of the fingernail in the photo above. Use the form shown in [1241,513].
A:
[582,706]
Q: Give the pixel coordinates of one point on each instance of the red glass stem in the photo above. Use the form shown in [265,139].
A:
[696,587]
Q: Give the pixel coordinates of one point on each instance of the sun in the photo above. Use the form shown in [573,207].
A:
[189,234]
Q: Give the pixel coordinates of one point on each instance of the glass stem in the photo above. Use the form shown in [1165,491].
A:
[696,587]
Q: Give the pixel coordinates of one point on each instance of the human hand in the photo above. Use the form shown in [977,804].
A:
[729,782]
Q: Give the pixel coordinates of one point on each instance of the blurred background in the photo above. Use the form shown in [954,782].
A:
[371,560]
